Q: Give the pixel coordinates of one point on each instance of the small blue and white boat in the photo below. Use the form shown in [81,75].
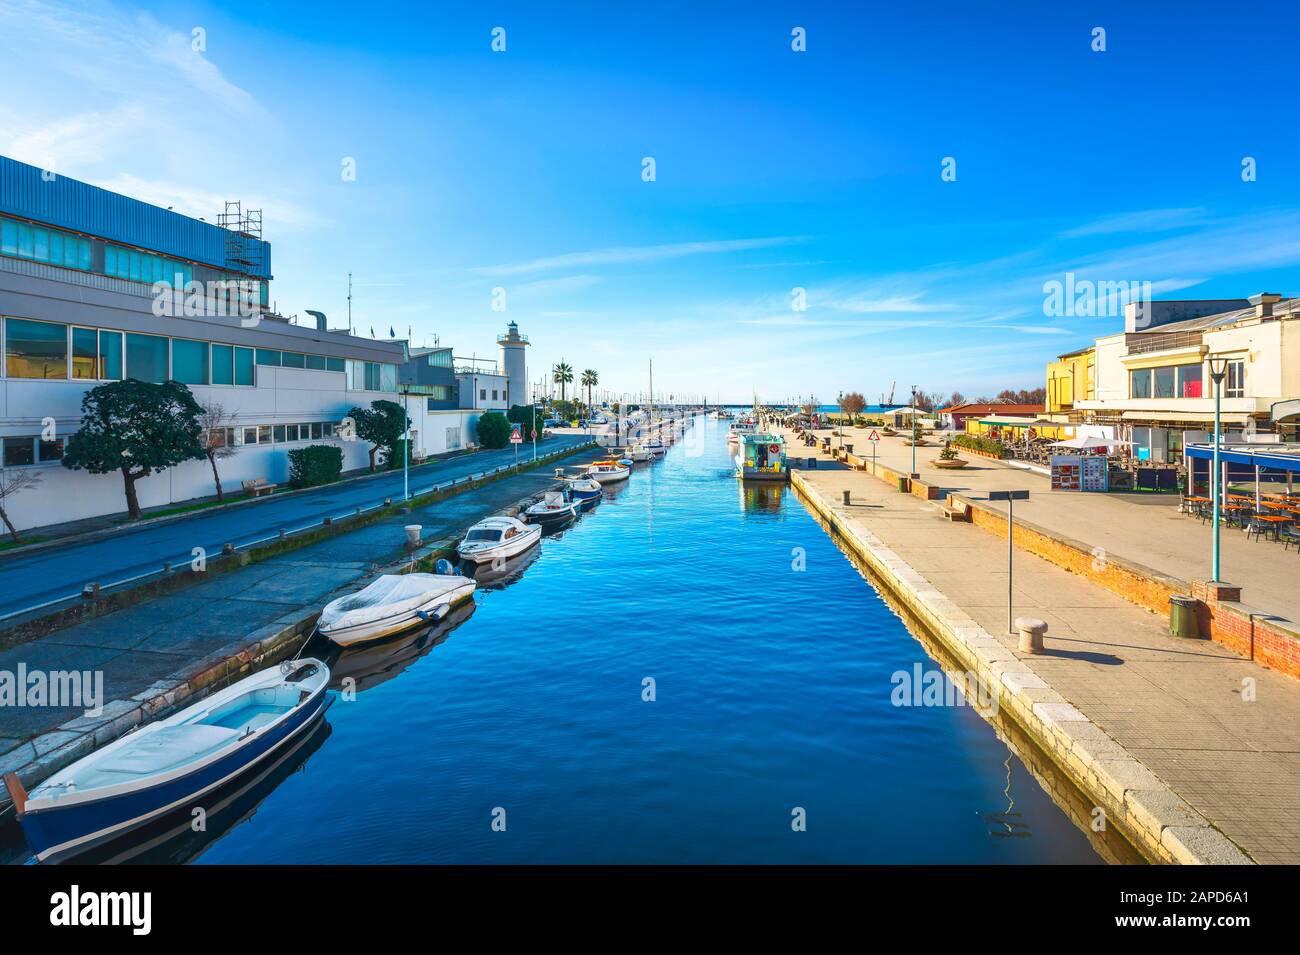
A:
[167,764]
[583,490]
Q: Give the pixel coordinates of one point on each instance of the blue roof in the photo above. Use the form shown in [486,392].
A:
[1283,457]
[81,207]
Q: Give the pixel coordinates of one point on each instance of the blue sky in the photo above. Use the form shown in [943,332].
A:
[775,170]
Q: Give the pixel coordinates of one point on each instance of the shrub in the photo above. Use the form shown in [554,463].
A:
[493,430]
[315,465]
[395,455]
[978,442]
[947,454]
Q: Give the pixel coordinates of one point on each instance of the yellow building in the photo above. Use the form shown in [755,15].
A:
[1072,377]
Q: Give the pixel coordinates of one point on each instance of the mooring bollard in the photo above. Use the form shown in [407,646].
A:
[1031,634]
[413,535]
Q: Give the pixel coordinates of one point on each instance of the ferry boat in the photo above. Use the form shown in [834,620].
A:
[761,457]
[171,762]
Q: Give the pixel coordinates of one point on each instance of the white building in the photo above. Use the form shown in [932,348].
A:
[78,267]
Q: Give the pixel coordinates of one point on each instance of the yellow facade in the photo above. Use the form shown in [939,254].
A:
[1071,378]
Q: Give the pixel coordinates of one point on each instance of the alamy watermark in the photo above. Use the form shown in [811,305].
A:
[83,689]
[921,687]
[225,298]
[1084,298]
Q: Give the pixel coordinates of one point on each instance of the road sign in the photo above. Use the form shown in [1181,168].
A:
[874,436]
[516,434]
[1008,495]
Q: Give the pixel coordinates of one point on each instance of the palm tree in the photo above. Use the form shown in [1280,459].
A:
[590,379]
[562,374]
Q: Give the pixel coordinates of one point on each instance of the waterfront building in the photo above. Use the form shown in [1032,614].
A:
[89,283]
[965,417]
[1152,380]
[1072,377]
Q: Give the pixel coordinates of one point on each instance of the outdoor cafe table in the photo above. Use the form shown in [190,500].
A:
[1275,522]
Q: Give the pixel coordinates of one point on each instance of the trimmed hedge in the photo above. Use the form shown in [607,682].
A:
[493,430]
[315,465]
[980,443]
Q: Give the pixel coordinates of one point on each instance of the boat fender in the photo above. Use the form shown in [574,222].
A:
[444,567]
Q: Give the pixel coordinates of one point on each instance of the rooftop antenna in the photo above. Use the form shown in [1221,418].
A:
[349,303]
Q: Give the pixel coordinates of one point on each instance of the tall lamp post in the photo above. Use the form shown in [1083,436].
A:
[1218,370]
[915,431]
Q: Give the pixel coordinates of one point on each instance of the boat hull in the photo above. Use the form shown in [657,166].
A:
[505,550]
[610,477]
[435,609]
[61,831]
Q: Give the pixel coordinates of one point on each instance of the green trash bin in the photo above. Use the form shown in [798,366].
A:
[1182,617]
[904,485]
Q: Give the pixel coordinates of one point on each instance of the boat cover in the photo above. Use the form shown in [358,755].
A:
[387,596]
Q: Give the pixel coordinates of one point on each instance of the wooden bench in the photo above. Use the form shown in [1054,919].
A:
[955,510]
[257,487]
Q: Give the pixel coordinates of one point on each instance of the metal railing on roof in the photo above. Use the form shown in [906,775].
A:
[1162,341]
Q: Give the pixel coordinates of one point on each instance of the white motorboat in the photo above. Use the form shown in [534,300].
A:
[171,762]
[639,452]
[391,604]
[608,472]
[498,538]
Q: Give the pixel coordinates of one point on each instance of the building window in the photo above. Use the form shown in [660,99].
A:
[1189,381]
[279,434]
[494,394]
[85,353]
[291,432]
[1234,385]
[146,358]
[190,361]
[264,434]
[317,430]
[19,452]
[293,359]
[249,436]
[1140,383]
[223,364]
[44,245]
[316,362]
[482,394]
[50,450]
[244,372]
[35,349]
[110,355]
[1164,381]
[335,364]
[268,356]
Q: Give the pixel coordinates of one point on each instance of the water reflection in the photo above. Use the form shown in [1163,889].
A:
[172,839]
[762,497]
[362,667]
[493,576]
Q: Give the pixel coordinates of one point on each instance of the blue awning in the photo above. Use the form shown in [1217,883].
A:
[1283,458]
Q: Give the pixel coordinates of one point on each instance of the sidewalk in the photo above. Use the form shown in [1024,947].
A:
[1142,528]
[155,653]
[1177,706]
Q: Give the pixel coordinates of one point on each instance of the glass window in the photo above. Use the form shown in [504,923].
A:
[190,361]
[1140,383]
[316,430]
[85,353]
[293,359]
[279,434]
[244,367]
[316,362]
[8,237]
[1164,381]
[223,364]
[110,355]
[1234,385]
[19,451]
[146,358]
[51,450]
[482,394]
[335,364]
[264,434]
[56,248]
[267,356]
[250,436]
[83,255]
[388,378]
[1189,381]
[291,432]
[327,429]
[35,349]
[41,245]
[24,240]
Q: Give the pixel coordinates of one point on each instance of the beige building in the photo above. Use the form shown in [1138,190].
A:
[1153,384]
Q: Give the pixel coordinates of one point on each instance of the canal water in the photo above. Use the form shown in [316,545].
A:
[772,661]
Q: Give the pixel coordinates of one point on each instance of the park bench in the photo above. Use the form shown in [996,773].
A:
[956,510]
[257,487]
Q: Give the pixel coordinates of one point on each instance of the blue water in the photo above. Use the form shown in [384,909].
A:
[773,693]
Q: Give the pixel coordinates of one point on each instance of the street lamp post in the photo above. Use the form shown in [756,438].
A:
[914,431]
[1218,370]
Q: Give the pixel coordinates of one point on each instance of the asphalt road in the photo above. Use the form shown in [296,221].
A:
[28,581]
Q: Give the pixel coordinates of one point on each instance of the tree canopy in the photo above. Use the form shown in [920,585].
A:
[383,424]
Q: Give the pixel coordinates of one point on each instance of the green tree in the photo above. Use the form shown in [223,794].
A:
[590,379]
[383,424]
[562,374]
[493,430]
[530,416]
[137,428]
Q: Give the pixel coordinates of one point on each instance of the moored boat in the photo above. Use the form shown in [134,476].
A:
[168,763]
[761,457]
[608,472]
[391,604]
[551,511]
[498,538]
[584,491]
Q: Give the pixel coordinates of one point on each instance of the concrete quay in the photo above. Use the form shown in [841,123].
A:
[1190,750]
[164,653]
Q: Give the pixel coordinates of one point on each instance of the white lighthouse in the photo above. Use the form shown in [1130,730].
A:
[514,363]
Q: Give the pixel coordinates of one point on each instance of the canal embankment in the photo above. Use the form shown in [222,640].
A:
[1182,745]
[163,649]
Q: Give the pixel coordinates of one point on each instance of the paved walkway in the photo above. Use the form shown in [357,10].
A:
[149,644]
[28,580]
[1176,705]
[1145,529]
